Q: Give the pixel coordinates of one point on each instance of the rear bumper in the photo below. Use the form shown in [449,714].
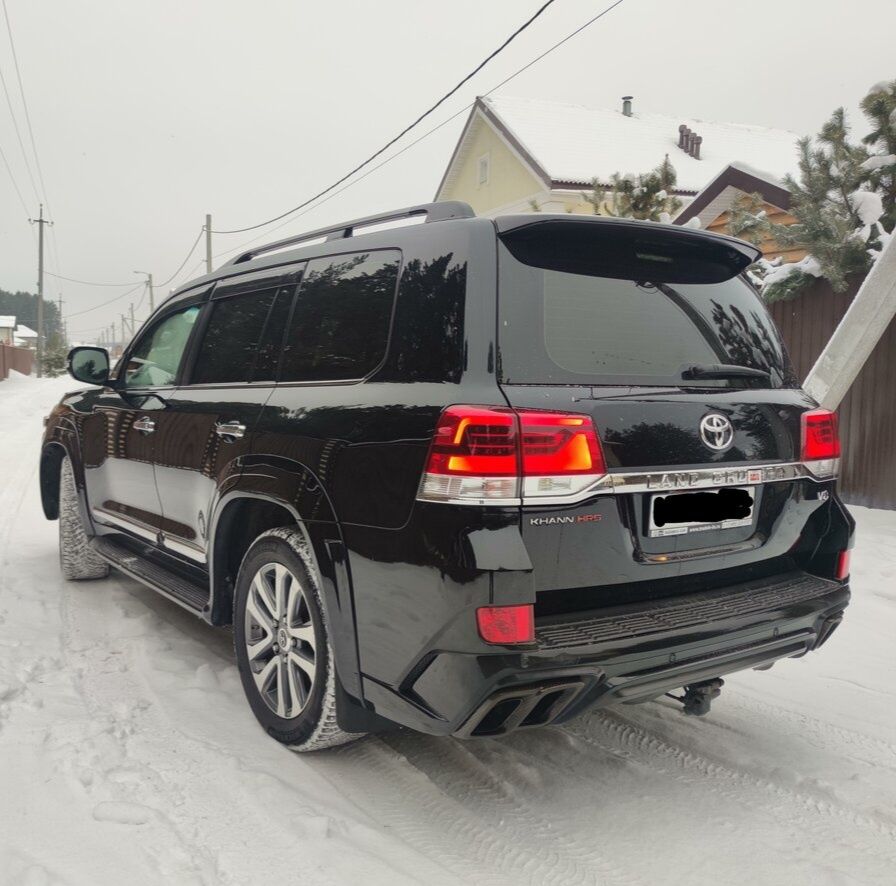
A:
[621,655]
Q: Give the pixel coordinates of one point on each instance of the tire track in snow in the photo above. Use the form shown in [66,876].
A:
[879,751]
[447,791]
[733,783]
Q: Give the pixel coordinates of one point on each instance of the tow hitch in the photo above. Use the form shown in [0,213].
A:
[698,697]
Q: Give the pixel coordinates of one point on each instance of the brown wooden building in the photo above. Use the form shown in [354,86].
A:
[712,204]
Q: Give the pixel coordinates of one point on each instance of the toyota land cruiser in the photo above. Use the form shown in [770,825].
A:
[463,475]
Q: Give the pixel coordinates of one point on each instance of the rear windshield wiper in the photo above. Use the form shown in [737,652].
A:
[724,370]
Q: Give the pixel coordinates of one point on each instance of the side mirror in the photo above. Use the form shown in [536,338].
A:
[90,365]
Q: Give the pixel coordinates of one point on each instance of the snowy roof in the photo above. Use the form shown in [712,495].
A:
[23,331]
[572,143]
[7,322]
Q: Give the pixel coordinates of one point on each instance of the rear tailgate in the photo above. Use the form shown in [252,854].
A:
[702,475]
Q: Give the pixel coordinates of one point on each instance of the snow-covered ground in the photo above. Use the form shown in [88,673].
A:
[128,755]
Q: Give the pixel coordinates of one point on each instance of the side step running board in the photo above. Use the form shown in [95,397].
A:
[165,581]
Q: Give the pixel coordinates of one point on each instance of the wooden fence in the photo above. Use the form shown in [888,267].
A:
[868,413]
[19,359]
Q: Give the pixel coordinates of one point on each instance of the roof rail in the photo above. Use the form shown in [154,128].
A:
[434,212]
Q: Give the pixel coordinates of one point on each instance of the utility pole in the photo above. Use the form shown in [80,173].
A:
[133,327]
[208,244]
[152,304]
[40,222]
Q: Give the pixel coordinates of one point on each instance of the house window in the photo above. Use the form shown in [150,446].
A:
[483,169]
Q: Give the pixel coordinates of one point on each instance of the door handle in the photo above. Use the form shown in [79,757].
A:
[230,430]
[145,425]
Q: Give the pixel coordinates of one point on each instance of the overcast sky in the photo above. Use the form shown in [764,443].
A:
[149,113]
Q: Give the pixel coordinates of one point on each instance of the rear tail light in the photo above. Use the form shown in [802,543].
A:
[496,455]
[507,624]
[820,449]
[561,454]
[843,565]
[474,456]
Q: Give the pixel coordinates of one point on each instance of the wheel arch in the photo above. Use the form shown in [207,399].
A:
[239,519]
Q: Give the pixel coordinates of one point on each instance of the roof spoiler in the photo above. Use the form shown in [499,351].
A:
[625,249]
[434,212]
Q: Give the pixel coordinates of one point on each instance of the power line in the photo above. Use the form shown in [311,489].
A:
[12,178]
[189,254]
[142,296]
[15,60]
[15,126]
[103,304]
[87,282]
[54,248]
[429,132]
[404,131]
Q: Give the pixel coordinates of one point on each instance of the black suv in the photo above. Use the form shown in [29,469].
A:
[463,475]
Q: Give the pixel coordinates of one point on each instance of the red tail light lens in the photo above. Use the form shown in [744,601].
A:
[843,565]
[485,454]
[507,624]
[474,440]
[474,457]
[820,442]
[559,443]
[820,438]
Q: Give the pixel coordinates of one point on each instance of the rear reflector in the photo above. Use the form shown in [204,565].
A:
[820,450]
[496,455]
[843,565]
[507,625]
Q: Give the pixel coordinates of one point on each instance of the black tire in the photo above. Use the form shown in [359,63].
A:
[77,560]
[308,703]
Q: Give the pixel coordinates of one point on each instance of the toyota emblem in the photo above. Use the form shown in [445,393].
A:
[716,431]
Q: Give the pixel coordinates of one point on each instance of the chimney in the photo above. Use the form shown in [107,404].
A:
[627,105]
[689,141]
[695,146]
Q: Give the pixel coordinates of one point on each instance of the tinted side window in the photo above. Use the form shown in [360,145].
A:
[156,356]
[230,344]
[272,338]
[341,319]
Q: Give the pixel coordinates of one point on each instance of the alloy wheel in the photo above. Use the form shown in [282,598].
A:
[280,640]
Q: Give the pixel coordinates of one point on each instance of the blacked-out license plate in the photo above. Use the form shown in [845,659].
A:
[680,513]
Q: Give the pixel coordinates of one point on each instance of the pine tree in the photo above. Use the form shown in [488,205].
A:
[747,218]
[647,196]
[54,357]
[879,106]
[836,204]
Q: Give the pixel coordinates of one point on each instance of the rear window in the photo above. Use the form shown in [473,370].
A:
[557,326]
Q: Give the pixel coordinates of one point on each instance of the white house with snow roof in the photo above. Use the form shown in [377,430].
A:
[24,337]
[518,154]
[7,327]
